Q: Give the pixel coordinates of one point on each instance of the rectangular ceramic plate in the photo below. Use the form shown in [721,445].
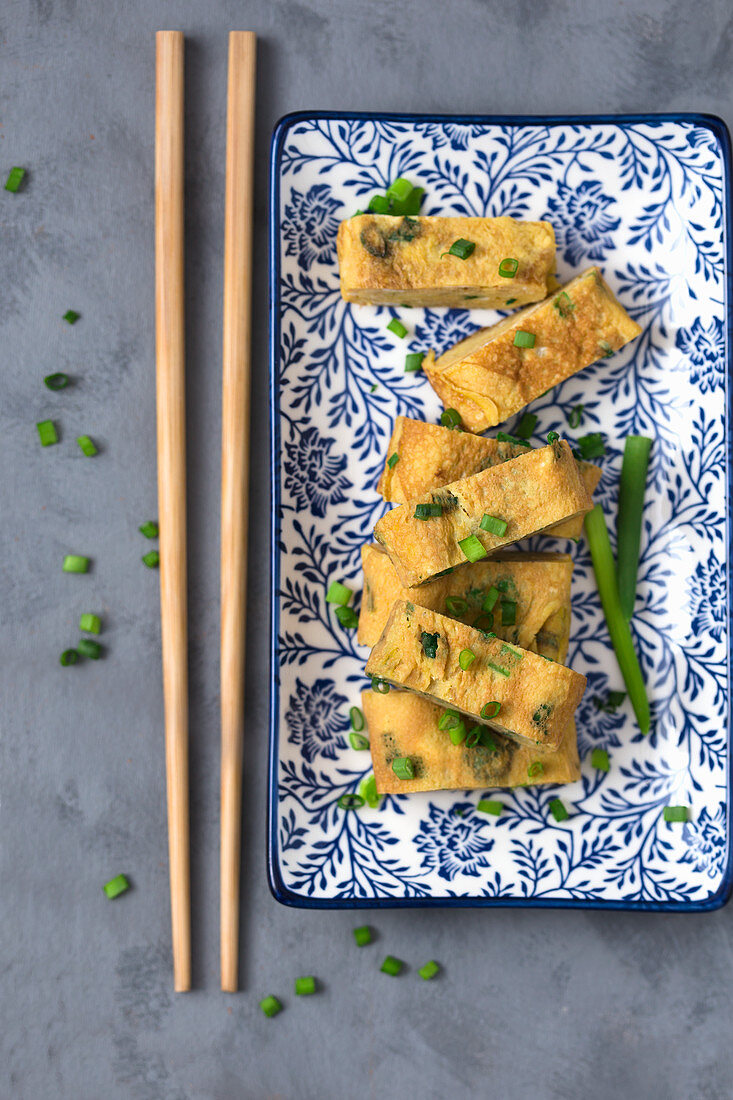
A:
[648,200]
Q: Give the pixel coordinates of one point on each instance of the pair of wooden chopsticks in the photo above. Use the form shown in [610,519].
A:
[170,386]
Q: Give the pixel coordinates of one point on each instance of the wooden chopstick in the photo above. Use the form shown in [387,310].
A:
[170,400]
[235,478]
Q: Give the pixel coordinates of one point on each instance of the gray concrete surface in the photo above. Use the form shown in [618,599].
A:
[531,1004]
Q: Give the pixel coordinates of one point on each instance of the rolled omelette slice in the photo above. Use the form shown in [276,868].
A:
[403,724]
[488,376]
[386,260]
[527,493]
[430,456]
[530,597]
[420,650]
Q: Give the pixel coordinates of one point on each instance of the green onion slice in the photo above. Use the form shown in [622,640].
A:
[460,248]
[630,511]
[347,617]
[428,511]
[576,415]
[599,759]
[396,326]
[380,686]
[403,767]
[451,418]
[552,437]
[490,710]
[429,970]
[368,791]
[350,802]
[524,339]
[71,316]
[378,204]
[47,432]
[400,189]
[449,720]
[493,525]
[458,733]
[75,563]
[413,361]
[605,348]
[116,886]
[58,381]
[676,813]
[498,668]
[89,623]
[14,180]
[526,425]
[357,719]
[89,648]
[474,737]
[338,593]
[472,548]
[69,657]
[484,623]
[564,304]
[508,612]
[86,445]
[591,446]
[466,658]
[490,601]
[535,768]
[456,605]
[149,529]
[505,437]
[363,935]
[429,644]
[358,741]
[305,986]
[393,460]
[270,1006]
[508,268]
[558,810]
[392,966]
[151,559]
[490,806]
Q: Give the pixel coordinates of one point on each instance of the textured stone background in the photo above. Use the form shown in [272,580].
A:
[531,1004]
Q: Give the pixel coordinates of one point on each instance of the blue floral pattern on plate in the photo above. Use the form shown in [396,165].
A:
[646,199]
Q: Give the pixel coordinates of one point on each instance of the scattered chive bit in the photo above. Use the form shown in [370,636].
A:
[87,447]
[491,709]
[428,511]
[413,361]
[15,179]
[270,1006]
[676,813]
[75,563]
[632,488]
[508,612]
[472,548]
[493,525]
[564,304]
[451,418]
[526,425]
[505,437]
[591,446]
[393,460]
[611,703]
[71,316]
[368,791]
[490,600]
[347,617]
[429,970]
[456,605]
[458,733]
[380,686]
[576,415]
[524,339]
[391,966]
[149,529]
[350,802]
[396,326]
[498,668]
[429,644]
[403,767]
[552,437]
[58,381]
[356,718]
[151,559]
[373,388]
[508,268]
[466,658]
[599,760]
[605,348]
[47,432]
[116,886]
[89,648]
[535,768]
[305,986]
[89,623]
[490,806]
[338,593]
[449,720]
[460,248]
[363,935]
[558,810]
[358,741]
[68,657]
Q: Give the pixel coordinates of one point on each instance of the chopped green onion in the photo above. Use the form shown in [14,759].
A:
[552,437]
[400,189]
[86,445]
[403,767]
[151,559]
[526,425]
[305,986]
[535,768]
[90,624]
[472,548]
[487,740]
[338,593]
[576,415]
[458,733]
[428,511]
[347,617]
[558,810]
[397,328]
[490,806]
[350,802]
[116,886]
[149,529]
[429,644]
[564,304]
[75,563]
[456,605]
[14,180]
[498,668]
[510,301]
[508,268]
[491,597]
[490,710]
[391,966]
[411,205]
[373,388]
[270,1006]
[505,437]
[618,628]
[89,648]
[47,432]
[599,760]
[524,339]
[460,248]
[611,703]
[605,348]
[378,204]
[393,460]
[358,741]
[474,737]
[591,446]
[512,652]
[676,813]
[363,935]
[508,612]
[69,657]
[380,686]
[466,658]
[413,361]
[71,316]
[450,719]
[493,525]
[357,719]
[429,970]
[630,512]
[368,791]
[58,381]
[451,418]
[484,623]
